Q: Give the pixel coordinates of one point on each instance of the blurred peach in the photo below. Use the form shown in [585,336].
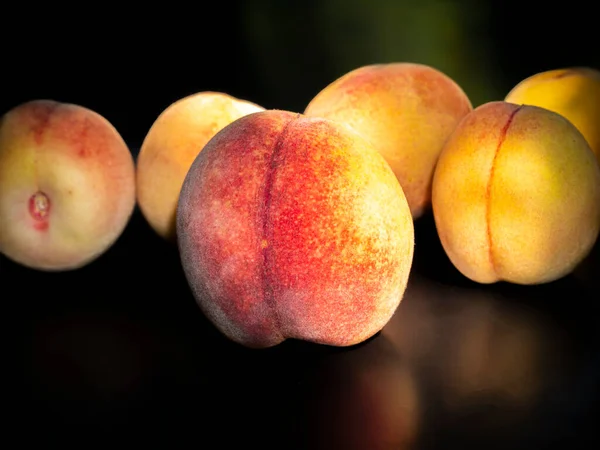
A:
[171,145]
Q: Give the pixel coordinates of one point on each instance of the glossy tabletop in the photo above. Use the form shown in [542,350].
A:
[119,347]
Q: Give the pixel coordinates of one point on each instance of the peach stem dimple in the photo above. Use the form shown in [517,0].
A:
[39,205]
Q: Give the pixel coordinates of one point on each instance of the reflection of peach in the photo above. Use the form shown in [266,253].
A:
[369,400]
[169,148]
[67,185]
[405,110]
[498,357]
[479,349]
[294,227]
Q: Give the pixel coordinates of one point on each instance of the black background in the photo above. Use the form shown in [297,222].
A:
[119,347]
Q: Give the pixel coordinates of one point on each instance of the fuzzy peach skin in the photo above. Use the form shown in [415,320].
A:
[169,148]
[572,92]
[405,110]
[294,227]
[516,195]
[67,185]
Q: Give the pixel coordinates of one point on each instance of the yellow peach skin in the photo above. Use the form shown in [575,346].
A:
[67,185]
[170,147]
[516,195]
[571,92]
[405,110]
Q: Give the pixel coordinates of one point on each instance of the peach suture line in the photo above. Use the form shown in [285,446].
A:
[267,231]
[501,140]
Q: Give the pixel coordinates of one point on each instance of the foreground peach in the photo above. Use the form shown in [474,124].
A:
[572,92]
[67,185]
[169,148]
[405,110]
[294,227]
[516,195]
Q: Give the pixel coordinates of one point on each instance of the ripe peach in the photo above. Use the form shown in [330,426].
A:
[169,148]
[572,92]
[516,195]
[67,185]
[294,227]
[405,110]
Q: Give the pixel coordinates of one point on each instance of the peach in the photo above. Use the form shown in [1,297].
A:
[67,185]
[405,110]
[294,227]
[516,195]
[169,148]
[572,92]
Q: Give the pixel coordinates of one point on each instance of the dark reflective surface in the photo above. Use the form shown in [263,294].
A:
[120,348]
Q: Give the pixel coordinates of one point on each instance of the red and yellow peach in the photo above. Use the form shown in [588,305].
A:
[405,110]
[67,185]
[294,227]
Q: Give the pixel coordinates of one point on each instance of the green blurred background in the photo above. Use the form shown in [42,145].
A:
[346,34]
[129,63]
